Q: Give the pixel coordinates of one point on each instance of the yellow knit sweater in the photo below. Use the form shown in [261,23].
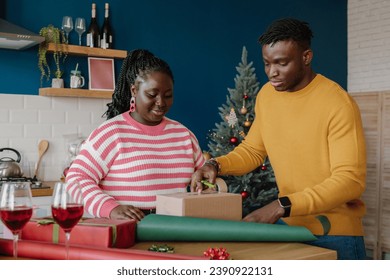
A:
[315,142]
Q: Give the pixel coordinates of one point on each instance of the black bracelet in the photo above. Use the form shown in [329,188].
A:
[214,163]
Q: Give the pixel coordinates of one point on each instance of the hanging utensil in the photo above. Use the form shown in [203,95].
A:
[42,148]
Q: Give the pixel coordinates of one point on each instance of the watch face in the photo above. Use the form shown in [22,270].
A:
[285,201]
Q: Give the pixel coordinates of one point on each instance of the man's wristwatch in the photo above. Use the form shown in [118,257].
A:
[285,203]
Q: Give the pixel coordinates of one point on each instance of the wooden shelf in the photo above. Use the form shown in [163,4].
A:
[87,51]
[82,51]
[70,92]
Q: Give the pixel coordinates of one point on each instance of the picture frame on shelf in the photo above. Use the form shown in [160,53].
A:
[101,73]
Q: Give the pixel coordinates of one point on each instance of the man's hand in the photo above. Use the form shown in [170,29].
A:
[207,172]
[269,214]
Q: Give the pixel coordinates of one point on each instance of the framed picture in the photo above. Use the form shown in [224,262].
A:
[101,73]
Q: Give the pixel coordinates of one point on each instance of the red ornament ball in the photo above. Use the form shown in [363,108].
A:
[246,96]
[263,167]
[233,140]
[244,194]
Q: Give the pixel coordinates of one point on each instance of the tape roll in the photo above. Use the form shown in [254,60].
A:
[222,187]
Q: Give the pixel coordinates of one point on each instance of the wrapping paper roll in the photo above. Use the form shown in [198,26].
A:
[176,228]
[48,251]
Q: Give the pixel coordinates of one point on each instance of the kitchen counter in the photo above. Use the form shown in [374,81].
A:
[45,190]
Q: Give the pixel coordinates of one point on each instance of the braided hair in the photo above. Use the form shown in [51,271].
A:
[285,29]
[138,63]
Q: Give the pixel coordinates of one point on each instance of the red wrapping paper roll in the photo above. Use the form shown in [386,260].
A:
[48,251]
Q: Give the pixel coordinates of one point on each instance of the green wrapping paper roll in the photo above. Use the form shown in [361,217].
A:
[174,228]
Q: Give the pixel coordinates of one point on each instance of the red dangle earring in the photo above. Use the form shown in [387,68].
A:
[132,104]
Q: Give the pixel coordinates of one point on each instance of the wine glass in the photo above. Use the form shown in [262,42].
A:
[67,208]
[80,27]
[15,208]
[67,26]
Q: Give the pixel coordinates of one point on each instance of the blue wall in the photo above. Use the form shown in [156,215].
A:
[202,40]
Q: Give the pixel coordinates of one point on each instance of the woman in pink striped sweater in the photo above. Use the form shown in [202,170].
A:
[138,152]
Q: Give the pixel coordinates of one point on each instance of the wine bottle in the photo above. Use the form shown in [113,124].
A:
[106,34]
[93,34]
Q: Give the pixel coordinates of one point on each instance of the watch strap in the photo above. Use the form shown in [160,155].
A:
[285,203]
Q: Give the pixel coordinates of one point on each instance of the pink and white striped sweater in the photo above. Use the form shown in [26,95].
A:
[125,162]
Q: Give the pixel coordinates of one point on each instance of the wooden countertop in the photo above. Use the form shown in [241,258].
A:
[45,190]
[251,250]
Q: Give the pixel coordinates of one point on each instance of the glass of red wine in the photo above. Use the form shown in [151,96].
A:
[15,208]
[67,208]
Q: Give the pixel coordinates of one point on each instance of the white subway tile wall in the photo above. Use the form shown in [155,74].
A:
[27,119]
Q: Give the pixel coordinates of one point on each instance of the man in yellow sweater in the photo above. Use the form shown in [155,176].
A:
[311,130]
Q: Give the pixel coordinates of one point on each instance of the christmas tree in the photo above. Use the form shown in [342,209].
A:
[258,187]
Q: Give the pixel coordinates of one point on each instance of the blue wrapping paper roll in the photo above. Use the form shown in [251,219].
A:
[175,228]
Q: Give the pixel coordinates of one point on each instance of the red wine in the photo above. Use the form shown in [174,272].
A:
[106,34]
[69,217]
[93,34]
[16,219]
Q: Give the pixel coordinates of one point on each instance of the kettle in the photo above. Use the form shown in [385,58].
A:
[10,167]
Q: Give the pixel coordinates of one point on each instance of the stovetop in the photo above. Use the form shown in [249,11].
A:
[34,182]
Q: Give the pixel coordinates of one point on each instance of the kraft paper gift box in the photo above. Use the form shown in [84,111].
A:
[94,232]
[213,205]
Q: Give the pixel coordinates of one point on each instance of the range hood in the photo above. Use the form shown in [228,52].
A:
[17,38]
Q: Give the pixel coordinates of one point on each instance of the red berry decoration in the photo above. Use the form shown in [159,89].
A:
[216,254]
[263,167]
[246,96]
[233,140]
[244,194]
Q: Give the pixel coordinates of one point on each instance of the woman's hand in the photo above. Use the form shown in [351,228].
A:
[127,212]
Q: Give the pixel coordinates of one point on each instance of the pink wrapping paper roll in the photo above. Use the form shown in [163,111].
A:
[48,251]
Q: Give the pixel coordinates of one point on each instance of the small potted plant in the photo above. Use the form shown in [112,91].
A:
[52,35]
